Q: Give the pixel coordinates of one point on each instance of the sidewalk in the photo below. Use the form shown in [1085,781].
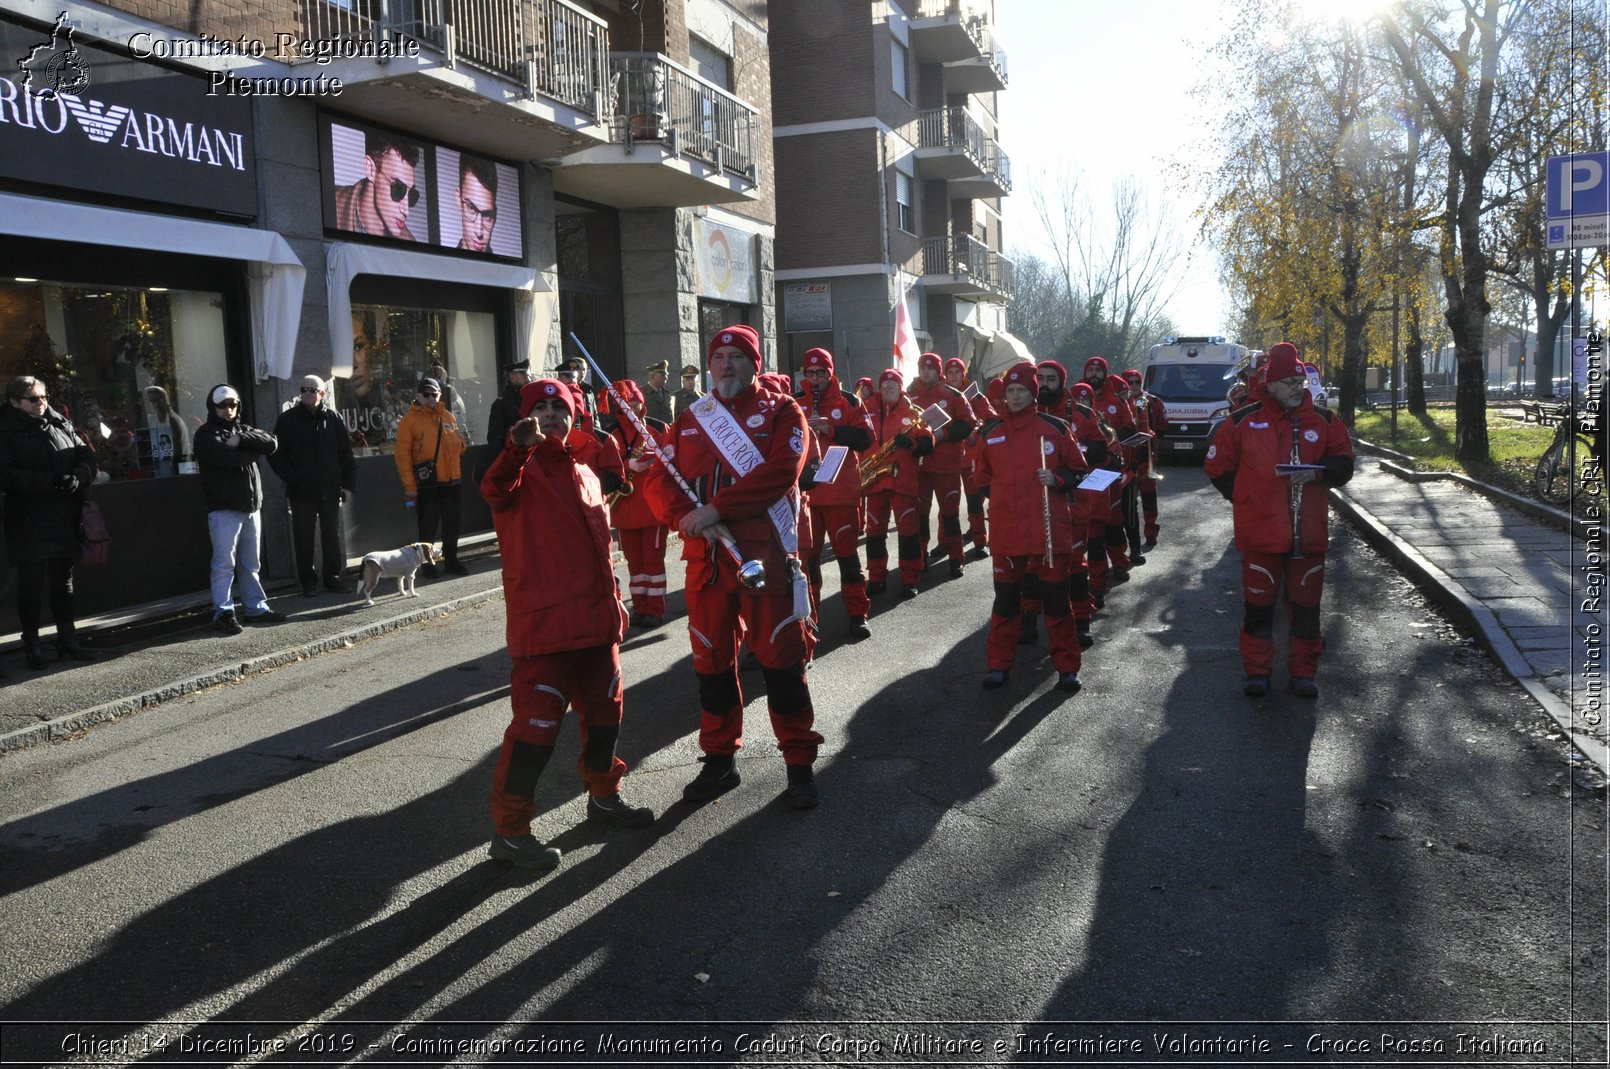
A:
[1519,583]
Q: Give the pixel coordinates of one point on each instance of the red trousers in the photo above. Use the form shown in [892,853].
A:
[839,525]
[1263,576]
[765,619]
[977,521]
[1006,622]
[878,508]
[948,488]
[1148,506]
[540,688]
[644,548]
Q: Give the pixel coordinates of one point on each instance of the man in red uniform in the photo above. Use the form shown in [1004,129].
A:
[1283,428]
[1029,461]
[565,622]
[1112,405]
[1150,408]
[898,437]
[836,419]
[742,450]
[939,474]
[977,522]
[642,535]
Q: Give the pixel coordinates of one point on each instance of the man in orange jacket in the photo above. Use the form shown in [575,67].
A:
[565,622]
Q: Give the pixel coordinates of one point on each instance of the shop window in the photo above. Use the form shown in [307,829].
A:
[129,367]
[394,347]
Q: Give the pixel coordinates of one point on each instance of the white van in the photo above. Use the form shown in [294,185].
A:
[1191,376]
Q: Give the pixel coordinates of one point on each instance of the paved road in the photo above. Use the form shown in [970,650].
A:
[308,846]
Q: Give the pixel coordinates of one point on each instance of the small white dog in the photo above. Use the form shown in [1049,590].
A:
[398,564]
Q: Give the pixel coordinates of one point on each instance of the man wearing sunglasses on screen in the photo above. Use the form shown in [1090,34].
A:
[379,202]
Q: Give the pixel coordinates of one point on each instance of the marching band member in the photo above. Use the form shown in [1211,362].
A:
[1280,519]
[565,623]
[1028,461]
[1153,414]
[642,535]
[939,474]
[977,522]
[866,391]
[835,507]
[1112,405]
[900,437]
[742,449]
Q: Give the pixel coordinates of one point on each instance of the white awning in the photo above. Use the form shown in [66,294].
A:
[345,261]
[1004,350]
[274,274]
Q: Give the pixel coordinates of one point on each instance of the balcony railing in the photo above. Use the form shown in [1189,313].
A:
[979,29]
[659,100]
[933,9]
[965,258]
[551,47]
[955,128]
[998,165]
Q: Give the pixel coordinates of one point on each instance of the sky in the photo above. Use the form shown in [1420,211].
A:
[1103,88]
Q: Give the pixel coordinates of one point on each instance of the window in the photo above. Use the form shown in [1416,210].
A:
[710,63]
[129,367]
[901,63]
[905,207]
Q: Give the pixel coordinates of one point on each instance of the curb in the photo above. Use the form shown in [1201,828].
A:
[63,726]
[1576,526]
[1472,614]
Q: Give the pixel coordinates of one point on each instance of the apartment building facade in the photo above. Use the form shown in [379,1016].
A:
[890,177]
[369,191]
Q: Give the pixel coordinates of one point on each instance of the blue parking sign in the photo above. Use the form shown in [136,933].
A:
[1577,185]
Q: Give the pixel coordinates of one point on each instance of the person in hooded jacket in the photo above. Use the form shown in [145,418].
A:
[227,450]
[564,625]
[1282,427]
[939,473]
[1113,407]
[642,535]
[430,433]
[44,471]
[977,522]
[836,418]
[505,413]
[315,460]
[1029,461]
[896,426]
[1153,417]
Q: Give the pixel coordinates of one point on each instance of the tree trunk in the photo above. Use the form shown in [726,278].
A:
[1414,361]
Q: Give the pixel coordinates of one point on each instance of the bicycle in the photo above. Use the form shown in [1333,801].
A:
[1560,477]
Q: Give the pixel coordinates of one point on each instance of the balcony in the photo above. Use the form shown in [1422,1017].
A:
[540,59]
[963,266]
[677,140]
[951,145]
[959,35]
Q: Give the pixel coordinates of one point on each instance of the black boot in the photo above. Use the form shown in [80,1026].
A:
[801,792]
[33,653]
[718,776]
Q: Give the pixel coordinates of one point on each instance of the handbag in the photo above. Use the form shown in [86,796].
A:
[95,543]
[425,470]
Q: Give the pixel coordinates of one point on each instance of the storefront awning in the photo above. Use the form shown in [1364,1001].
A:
[345,261]
[274,274]
[1003,351]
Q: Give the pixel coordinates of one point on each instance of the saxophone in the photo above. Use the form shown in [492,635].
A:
[626,476]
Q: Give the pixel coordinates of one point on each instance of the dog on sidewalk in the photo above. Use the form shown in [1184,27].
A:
[398,564]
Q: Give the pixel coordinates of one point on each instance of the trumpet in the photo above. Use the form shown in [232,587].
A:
[883,462]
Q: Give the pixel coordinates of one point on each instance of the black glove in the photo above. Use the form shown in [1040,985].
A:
[67,484]
[902,441]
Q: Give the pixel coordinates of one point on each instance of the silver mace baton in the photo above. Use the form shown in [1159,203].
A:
[751,573]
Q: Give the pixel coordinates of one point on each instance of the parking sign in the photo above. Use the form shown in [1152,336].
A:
[1577,200]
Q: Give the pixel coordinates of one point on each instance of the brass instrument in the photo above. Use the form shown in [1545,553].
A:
[626,476]
[881,463]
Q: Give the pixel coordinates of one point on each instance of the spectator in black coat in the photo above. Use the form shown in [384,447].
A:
[227,448]
[44,469]
[505,414]
[315,460]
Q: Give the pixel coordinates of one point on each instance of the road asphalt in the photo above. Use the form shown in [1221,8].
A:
[1524,580]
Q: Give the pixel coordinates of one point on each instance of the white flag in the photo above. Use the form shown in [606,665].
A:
[906,351]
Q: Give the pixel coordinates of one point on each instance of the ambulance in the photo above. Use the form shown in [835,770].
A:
[1191,376]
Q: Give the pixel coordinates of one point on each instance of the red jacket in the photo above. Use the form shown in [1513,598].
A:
[946,459]
[559,586]
[1009,463]
[887,423]
[851,429]
[775,424]
[631,510]
[1241,462]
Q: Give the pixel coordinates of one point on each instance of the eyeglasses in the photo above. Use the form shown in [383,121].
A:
[33,398]
[308,389]
[481,217]
[399,190]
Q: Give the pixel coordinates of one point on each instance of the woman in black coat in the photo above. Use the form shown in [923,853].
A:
[44,469]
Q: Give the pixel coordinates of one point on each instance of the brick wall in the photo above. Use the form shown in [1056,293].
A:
[254,19]
[821,60]
[751,70]
[828,189]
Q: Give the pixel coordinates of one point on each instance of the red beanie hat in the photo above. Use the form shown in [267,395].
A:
[538,389]
[629,390]
[892,374]
[1100,361]
[1282,362]
[815,358]
[1020,374]
[957,364]
[1062,372]
[776,382]
[1083,392]
[1133,375]
[933,360]
[739,337]
[864,380]
[995,390]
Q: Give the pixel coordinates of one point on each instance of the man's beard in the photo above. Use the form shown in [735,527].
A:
[1095,382]
[727,389]
[1048,396]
